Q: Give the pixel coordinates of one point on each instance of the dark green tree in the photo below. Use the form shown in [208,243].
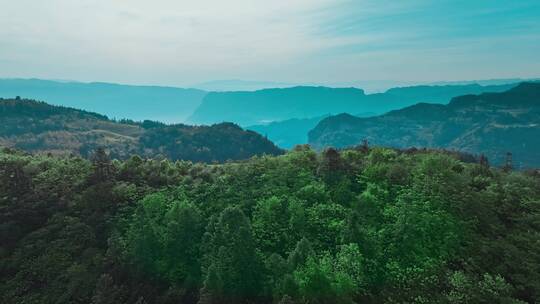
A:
[103,168]
[106,291]
[233,254]
[212,291]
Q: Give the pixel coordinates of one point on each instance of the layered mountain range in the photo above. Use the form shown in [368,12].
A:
[461,117]
[246,108]
[166,104]
[272,105]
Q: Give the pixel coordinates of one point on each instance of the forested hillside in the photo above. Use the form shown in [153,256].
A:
[41,128]
[491,123]
[357,226]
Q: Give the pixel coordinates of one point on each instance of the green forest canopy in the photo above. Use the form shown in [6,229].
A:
[369,225]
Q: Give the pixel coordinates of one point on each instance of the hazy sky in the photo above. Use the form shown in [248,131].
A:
[177,42]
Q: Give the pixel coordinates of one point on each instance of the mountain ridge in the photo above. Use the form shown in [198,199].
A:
[489,123]
[258,107]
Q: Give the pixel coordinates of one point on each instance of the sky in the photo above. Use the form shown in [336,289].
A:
[182,43]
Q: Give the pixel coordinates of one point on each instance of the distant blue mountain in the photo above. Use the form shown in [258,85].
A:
[269,105]
[166,104]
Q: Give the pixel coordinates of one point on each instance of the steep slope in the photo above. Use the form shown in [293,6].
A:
[287,133]
[166,104]
[489,123]
[263,106]
[291,132]
[252,108]
[38,127]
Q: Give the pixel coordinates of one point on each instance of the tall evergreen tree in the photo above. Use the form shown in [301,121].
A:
[233,254]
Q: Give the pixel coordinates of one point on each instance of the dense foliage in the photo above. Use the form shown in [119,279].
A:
[355,226]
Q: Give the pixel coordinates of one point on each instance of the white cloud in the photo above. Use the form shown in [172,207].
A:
[181,42]
[186,38]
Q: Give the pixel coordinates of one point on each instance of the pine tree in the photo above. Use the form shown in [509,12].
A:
[212,290]
[233,254]
[103,168]
[106,291]
[508,163]
[484,163]
[300,254]
[331,166]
